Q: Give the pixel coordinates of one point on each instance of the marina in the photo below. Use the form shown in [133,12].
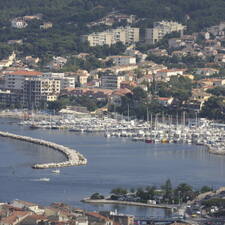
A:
[198,131]
[118,162]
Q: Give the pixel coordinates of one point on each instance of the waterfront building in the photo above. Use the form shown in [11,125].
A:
[160,29]
[126,35]
[39,90]
[15,80]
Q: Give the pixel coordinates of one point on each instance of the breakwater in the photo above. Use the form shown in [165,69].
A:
[74,158]
[117,202]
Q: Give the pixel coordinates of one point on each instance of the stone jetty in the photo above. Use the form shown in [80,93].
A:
[74,158]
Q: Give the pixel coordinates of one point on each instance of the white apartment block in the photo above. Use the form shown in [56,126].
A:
[111,81]
[65,82]
[160,29]
[15,80]
[125,35]
[122,60]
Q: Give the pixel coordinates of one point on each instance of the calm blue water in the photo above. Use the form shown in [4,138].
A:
[113,162]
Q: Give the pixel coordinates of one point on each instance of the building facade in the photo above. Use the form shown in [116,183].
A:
[126,35]
[160,29]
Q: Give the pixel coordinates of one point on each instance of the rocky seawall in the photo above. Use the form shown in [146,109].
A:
[74,158]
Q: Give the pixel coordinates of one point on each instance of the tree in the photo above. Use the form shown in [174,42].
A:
[214,108]
[184,192]
[119,191]
[168,191]
[139,94]
[206,189]
[97,196]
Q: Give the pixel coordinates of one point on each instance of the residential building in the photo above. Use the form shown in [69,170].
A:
[96,218]
[217,30]
[101,94]
[176,43]
[15,80]
[166,74]
[65,81]
[122,60]
[19,23]
[165,101]
[119,218]
[30,206]
[206,71]
[14,218]
[160,29]
[122,34]
[46,25]
[38,91]
[11,98]
[111,80]
[220,58]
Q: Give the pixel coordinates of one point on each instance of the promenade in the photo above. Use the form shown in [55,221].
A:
[74,158]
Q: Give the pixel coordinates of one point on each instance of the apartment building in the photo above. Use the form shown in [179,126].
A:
[126,35]
[15,80]
[65,81]
[160,29]
[111,81]
[39,90]
[122,60]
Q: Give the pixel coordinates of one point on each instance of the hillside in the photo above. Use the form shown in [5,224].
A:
[69,18]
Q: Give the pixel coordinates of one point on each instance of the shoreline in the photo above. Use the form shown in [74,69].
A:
[74,158]
[20,115]
[104,201]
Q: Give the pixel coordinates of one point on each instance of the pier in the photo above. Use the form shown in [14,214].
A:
[74,158]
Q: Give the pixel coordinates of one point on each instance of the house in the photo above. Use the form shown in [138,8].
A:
[116,96]
[57,214]
[166,74]
[206,71]
[165,101]
[128,84]
[14,218]
[98,219]
[34,220]
[219,58]
[27,206]
[176,43]
[210,82]
[46,25]
[19,23]
[119,218]
[200,95]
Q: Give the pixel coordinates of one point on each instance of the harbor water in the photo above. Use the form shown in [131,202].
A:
[112,162]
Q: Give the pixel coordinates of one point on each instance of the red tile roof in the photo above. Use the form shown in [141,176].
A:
[26,73]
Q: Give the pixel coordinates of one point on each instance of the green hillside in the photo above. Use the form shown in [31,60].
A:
[69,18]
